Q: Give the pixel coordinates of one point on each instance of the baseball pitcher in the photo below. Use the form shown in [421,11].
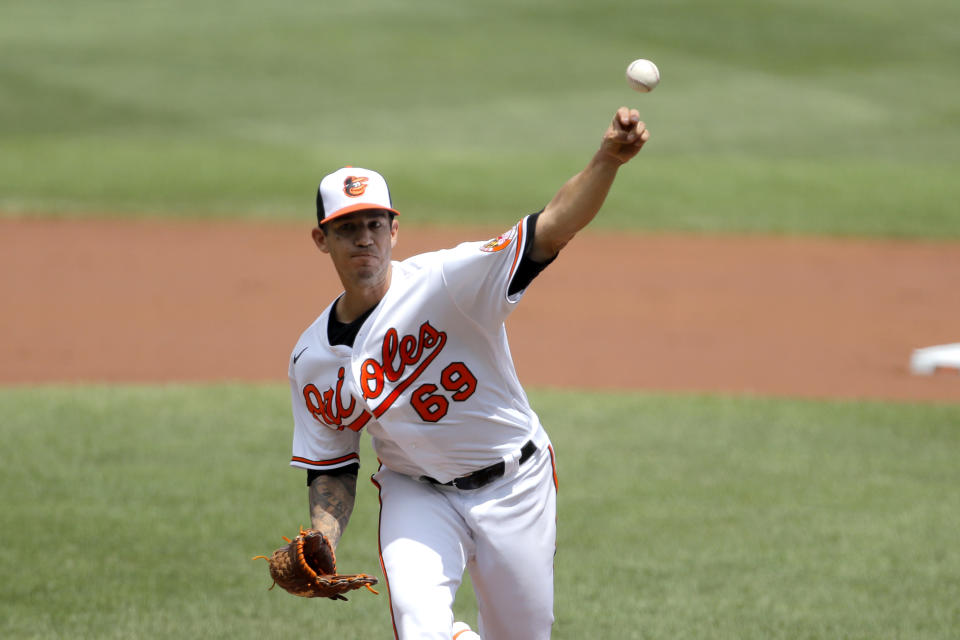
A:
[415,353]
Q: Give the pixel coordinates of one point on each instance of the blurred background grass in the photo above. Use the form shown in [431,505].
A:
[133,512]
[773,116]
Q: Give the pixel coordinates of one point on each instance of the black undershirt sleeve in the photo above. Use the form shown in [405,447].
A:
[313,474]
[527,270]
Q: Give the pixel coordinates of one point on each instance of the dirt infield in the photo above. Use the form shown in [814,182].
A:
[159,301]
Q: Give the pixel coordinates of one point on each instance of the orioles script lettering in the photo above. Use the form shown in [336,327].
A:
[402,361]
[397,355]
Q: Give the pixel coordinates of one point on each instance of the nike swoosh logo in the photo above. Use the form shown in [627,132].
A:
[297,357]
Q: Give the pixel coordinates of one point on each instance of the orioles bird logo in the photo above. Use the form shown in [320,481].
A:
[354,186]
[500,242]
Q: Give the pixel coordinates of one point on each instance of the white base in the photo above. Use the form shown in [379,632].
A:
[926,361]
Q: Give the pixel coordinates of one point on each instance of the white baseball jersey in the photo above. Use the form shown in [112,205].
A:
[430,374]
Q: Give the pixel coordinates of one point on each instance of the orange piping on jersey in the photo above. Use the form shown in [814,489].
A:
[516,255]
[324,463]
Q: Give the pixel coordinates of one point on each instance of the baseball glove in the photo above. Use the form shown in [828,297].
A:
[307,567]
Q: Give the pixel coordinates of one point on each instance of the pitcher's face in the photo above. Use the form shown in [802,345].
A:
[360,245]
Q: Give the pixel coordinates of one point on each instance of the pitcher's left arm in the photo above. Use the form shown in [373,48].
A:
[580,199]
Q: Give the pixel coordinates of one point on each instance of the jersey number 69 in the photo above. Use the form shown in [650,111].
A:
[431,404]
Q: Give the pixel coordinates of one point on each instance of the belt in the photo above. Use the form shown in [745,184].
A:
[485,476]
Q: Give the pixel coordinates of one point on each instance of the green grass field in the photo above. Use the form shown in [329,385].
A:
[773,116]
[133,512]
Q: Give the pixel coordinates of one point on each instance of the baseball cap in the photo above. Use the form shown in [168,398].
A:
[351,189]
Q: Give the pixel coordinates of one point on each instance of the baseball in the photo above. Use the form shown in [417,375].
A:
[643,75]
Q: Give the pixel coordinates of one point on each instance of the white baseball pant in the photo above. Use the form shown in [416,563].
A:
[503,533]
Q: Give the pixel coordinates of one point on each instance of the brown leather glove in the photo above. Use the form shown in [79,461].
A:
[307,567]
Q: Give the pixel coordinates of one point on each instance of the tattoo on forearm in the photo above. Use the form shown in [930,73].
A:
[331,503]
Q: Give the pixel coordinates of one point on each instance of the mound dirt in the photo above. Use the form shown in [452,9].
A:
[148,301]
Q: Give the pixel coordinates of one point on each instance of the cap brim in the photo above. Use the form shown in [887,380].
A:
[360,206]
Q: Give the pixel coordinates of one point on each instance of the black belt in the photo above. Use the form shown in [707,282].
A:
[485,476]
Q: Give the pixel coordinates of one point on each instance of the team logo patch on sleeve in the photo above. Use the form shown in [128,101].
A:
[500,242]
